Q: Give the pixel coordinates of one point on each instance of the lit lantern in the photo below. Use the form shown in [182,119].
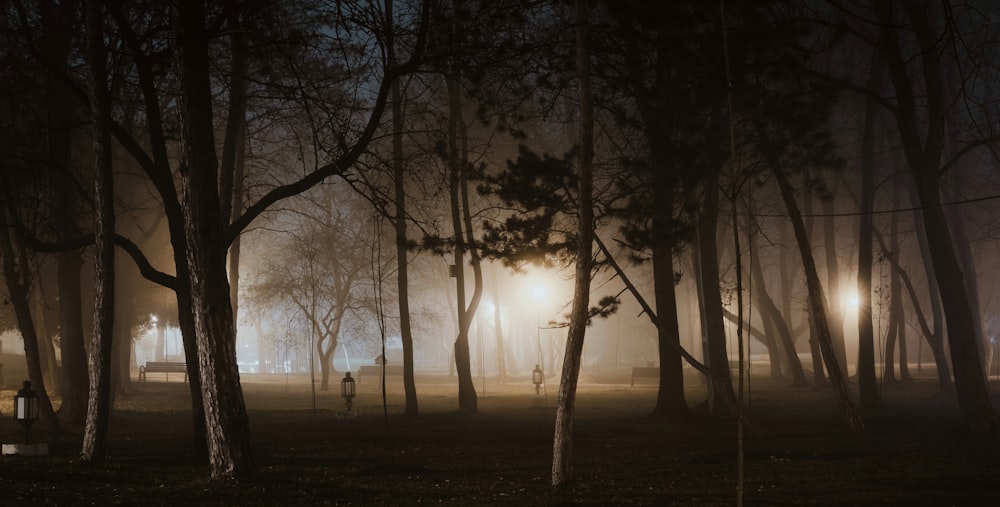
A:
[347,389]
[26,408]
[537,378]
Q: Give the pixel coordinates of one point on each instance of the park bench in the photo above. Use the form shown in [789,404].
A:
[162,367]
[645,372]
[394,370]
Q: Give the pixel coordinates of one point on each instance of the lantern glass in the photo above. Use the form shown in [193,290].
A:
[347,386]
[537,376]
[26,408]
[26,404]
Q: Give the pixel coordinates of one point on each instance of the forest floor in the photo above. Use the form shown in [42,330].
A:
[796,450]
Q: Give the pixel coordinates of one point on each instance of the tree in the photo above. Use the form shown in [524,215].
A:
[924,152]
[326,273]
[227,426]
[460,214]
[562,444]
[99,400]
[207,238]
[17,273]
[771,313]
[869,397]
[817,306]
[399,222]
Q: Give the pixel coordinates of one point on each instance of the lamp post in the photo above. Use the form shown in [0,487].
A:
[537,375]
[26,408]
[347,390]
[537,378]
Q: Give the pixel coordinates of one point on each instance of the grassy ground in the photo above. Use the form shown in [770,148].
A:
[797,451]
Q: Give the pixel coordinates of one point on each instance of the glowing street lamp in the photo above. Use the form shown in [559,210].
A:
[26,408]
[851,300]
[347,389]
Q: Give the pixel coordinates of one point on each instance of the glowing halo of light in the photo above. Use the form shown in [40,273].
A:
[538,292]
[850,299]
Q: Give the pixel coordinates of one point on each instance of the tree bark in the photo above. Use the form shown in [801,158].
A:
[562,444]
[410,408]
[227,426]
[157,168]
[670,401]
[99,401]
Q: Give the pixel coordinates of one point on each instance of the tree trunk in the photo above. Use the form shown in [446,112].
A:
[99,404]
[670,400]
[896,290]
[786,294]
[410,408]
[469,231]
[56,20]
[121,344]
[44,333]
[774,356]
[234,148]
[226,423]
[721,392]
[957,221]
[467,398]
[868,384]
[17,277]
[562,444]
[836,316]
[817,304]
[159,172]
[770,312]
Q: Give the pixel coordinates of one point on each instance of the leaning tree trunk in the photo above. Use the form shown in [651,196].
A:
[817,305]
[769,311]
[815,350]
[99,402]
[562,444]
[228,429]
